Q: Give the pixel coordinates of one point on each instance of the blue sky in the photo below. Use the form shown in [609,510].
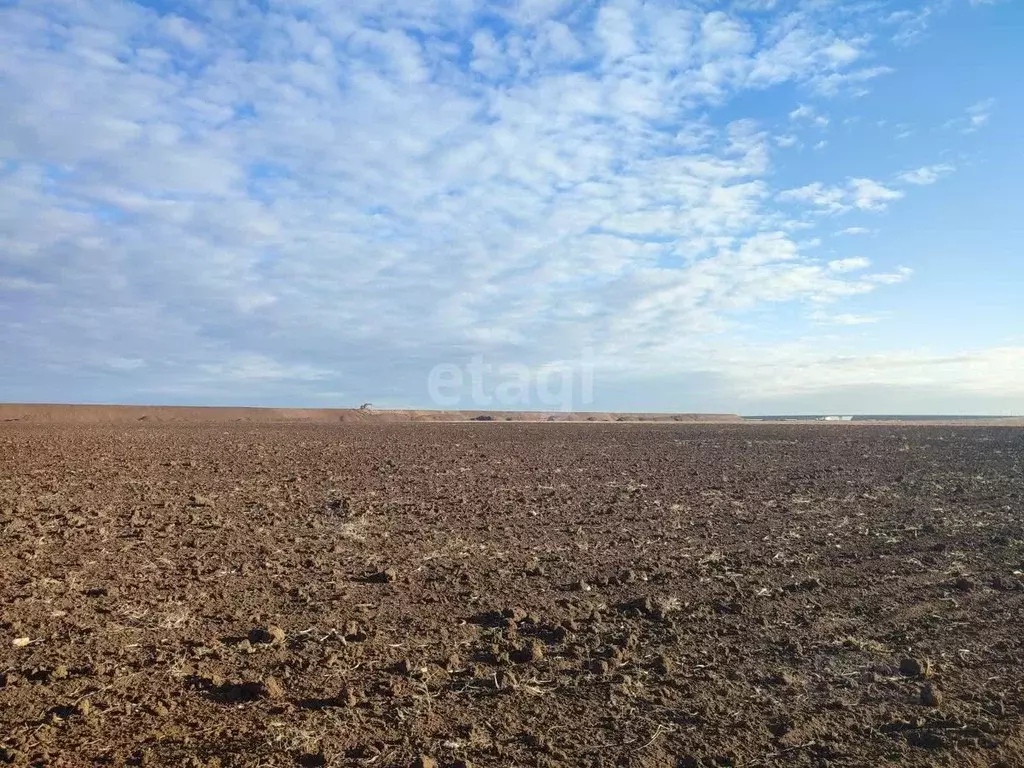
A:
[757,206]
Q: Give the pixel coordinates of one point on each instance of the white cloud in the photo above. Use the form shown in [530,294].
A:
[817,194]
[977,116]
[250,200]
[850,264]
[911,26]
[243,368]
[990,372]
[845,318]
[869,195]
[862,194]
[722,34]
[855,231]
[21,284]
[927,174]
[834,82]
[801,112]
[980,112]
[891,278]
[125,363]
[615,30]
[804,113]
[852,319]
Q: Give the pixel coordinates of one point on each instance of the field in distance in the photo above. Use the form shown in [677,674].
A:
[108,414]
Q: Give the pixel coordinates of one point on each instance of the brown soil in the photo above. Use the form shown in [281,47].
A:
[516,594]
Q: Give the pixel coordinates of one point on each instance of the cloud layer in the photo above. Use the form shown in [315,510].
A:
[305,201]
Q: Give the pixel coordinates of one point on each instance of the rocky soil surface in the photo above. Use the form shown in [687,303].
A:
[511,594]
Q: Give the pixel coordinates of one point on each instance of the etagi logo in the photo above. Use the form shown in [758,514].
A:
[509,385]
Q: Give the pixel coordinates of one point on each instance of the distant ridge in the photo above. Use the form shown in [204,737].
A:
[108,414]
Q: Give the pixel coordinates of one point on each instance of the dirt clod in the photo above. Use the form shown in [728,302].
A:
[911,667]
[931,696]
[385,576]
[531,653]
[348,696]
[514,614]
[964,584]
[641,606]
[354,632]
[268,635]
[783,678]
[272,688]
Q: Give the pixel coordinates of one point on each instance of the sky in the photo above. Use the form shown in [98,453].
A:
[762,206]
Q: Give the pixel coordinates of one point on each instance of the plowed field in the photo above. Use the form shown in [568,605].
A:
[511,594]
